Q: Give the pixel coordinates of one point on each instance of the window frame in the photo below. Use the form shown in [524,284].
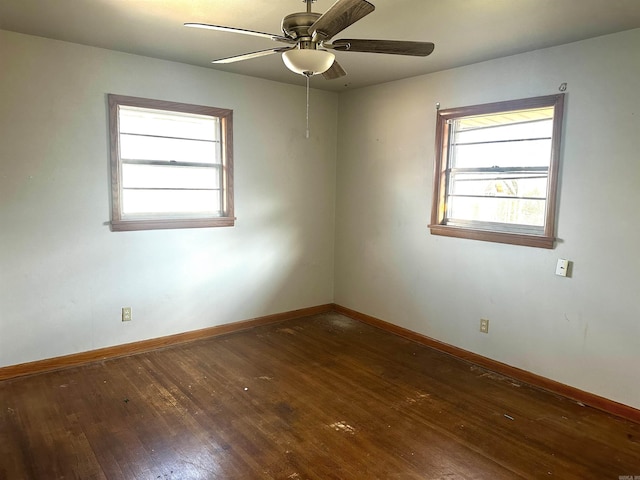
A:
[121,222]
[439,226]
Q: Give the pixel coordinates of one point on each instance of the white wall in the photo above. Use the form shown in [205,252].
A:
[64,276]
[582,331]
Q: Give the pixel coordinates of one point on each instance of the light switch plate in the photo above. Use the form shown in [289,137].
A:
[562,268]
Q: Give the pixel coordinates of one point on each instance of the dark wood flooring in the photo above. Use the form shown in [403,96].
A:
[324,397]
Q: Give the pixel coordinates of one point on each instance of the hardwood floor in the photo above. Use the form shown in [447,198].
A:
[324,397]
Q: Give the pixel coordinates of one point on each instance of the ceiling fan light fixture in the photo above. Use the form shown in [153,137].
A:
[308,61]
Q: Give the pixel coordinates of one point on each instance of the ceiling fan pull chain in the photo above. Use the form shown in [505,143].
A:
[308,77]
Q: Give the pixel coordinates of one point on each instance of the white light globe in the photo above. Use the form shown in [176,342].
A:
[308,61]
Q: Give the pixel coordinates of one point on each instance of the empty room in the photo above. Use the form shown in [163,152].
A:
[309,240]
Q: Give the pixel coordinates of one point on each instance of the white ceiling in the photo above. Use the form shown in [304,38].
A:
[464,31]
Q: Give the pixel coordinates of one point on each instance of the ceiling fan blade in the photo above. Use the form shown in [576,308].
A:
[393,47]
[341,14]
[248,56]
[335,71]
[221,28]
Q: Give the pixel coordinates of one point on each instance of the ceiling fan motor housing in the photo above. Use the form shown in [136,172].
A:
[297,25]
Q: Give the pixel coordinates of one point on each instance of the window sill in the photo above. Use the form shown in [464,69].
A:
[539,241]
[130,225]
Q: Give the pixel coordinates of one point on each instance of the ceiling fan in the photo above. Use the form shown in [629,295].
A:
[308,37]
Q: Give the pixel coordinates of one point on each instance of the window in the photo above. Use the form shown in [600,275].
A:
[171,165]
[496,171]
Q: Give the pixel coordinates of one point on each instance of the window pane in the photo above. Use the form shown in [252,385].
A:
[135,147]
[501,185]
[505,140]
[149,176]
[530,153]
[499,210]
[493,133]
[162,123]
[171,201]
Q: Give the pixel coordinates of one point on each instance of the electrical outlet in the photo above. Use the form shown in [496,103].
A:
[484,325]
[126,314]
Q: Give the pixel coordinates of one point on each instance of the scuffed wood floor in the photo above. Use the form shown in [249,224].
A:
[323,397]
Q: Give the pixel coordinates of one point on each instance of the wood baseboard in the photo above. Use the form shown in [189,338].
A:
[586,398]
[76,359]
